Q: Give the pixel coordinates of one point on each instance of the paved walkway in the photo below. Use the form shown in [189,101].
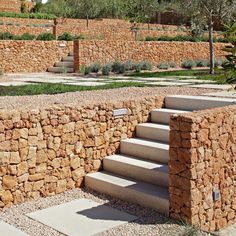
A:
[73,79]
[8,230]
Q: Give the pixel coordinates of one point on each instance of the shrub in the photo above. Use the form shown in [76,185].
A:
[129,65]
[118,67]
[28,15]
[163,66]
[146,65]
[27,36]
[188,64]
[201,63]
[6,36]
[66,37]
[218,62]
[46,37]
[106,69]
[87,70]
[137,67]
[172,64]
[95,67]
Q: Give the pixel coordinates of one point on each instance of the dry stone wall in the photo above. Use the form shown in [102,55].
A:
[31,56]
[202,162]
[45,152]
[88,52]
[10,5]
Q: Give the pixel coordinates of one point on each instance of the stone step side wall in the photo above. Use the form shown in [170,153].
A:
[45,152]
[202,159]
[89,51]
[31,56]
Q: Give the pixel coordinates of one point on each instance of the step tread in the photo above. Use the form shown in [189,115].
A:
[124,182]
[149,143]
[155,126]
[129,160]
[170,110]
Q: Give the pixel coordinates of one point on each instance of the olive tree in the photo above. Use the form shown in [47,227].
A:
[208,10]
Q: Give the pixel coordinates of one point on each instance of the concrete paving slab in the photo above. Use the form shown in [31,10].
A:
[9,230]
[229,231]
[86,83]
[226,94]
[13,83]
[212,86]
[81,217]
[169,84]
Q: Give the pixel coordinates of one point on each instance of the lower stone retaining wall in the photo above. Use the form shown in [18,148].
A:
[88,52]
[45,152]
[202,160]
[31,56]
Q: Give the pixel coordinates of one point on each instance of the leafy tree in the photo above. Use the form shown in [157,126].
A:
[206,11]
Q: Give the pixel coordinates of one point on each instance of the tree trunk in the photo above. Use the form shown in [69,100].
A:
[211,44]
[87,21]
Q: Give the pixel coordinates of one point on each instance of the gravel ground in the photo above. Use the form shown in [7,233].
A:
[88,97]
[149,222]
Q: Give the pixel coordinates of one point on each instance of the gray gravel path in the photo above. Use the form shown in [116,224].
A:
[88,97]
[149,222]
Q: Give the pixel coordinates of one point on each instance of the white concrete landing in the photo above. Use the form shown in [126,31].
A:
[9,230]
[81,217]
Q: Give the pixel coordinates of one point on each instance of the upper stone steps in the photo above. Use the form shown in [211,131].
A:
[127,189]
[145,149]
[191,103]
[141,170]
[162,115]
[152,131]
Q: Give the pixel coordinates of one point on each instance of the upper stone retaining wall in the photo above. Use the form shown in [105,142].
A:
[45,152]
[202,160]
[31,56]
[10,6]
[88,52]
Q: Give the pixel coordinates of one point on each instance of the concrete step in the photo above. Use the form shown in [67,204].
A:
[137,169]
[163,115]
[68,58]
[196,102]
[145,149]
[157,132]
[71,54]
[145,194]
[61,70]
[67,64]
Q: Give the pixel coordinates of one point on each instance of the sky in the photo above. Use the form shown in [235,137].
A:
[44,1]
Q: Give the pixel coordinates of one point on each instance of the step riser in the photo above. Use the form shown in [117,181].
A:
[183,103]
[145,152]
[64,64]
[127,194]
[153,134]
[69,59]
[137,173]
[60,70]
[161,117]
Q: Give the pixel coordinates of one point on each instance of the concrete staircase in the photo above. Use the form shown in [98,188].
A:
[140,173]
[66,65]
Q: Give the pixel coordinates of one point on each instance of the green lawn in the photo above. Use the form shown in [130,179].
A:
[199,74]
[48,88]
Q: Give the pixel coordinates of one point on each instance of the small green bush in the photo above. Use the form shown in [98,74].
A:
[28,15]
[137,67]
[66,37]
[163,66]
[201,63]
[129,65]
[118,67]
[188,64]
[46,37]
[95,67]
[106,69]
[146,65]
[218,62]
[87,70]
[172,64]
[6,36]
[27,36]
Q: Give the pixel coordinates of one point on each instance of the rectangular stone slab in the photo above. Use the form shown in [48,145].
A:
[81,217]
[9,230]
